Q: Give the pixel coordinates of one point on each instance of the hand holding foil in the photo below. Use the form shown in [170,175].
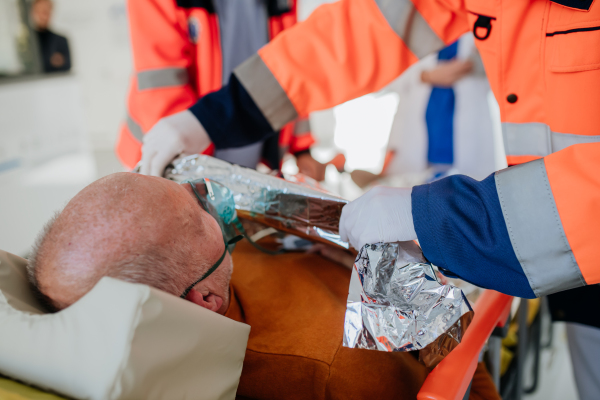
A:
[395,303]
[383,214]
[294,205]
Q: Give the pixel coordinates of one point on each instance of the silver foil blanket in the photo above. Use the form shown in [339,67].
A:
[396,303]
[293,205]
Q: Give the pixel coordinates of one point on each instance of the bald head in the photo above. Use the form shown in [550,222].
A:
[132,227]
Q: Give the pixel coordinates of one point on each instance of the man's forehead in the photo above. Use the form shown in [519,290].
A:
[187,186]
[150,186]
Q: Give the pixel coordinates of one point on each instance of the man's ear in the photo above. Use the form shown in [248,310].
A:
[210,301]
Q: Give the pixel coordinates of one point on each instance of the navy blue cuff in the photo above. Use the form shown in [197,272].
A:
[461,228]
[231,118]
[423,226]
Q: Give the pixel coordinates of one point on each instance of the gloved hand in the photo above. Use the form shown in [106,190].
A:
[383,214]
[177,134]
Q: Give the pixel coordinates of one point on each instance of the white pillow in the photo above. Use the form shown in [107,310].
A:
[120,341]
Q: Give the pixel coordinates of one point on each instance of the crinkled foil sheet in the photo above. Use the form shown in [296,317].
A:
[396,303]
[297,207]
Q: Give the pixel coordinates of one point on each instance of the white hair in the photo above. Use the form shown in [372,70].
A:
[163,268]
[33,261]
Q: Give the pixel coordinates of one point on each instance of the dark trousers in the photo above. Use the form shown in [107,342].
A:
[581,305]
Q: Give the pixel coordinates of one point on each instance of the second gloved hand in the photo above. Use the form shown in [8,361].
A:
[383,214]
[176,134]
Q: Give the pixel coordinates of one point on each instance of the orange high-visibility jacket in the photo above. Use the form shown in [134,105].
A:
[177,60]
[543,64]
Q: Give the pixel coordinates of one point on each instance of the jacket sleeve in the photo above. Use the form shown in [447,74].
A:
[342,51]
[160,85]
[526,231]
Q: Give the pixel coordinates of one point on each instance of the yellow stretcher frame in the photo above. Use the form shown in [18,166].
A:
[11,390]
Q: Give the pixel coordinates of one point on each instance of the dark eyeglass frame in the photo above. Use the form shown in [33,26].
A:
[228,243]
[213,268]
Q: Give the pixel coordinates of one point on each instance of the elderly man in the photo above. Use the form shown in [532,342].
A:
[153,231]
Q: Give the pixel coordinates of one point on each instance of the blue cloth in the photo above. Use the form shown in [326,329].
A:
[231,118]
[460,227]
[439,117]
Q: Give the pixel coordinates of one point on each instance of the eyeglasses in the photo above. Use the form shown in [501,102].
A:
[218,201]
[213,268]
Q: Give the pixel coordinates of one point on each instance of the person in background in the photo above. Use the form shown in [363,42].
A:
[183,50]
[443,124]
[454,113]
[459,126]
[54,48]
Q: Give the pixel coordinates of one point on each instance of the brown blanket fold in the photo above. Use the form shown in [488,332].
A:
[295,304]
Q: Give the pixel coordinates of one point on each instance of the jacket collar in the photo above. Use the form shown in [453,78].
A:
[274,7]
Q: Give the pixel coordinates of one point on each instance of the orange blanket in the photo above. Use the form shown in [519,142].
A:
[295,304]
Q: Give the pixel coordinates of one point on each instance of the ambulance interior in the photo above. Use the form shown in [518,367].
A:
[57,135]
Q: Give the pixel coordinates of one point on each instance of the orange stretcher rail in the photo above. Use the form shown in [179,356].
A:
[451,378]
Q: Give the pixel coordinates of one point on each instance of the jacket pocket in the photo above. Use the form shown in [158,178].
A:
[574,50]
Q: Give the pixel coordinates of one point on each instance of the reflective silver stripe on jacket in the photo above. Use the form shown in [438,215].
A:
[161,78]
[409,24]
[135,128]
[535,230]
[536,139]
[302,126]
[267,93]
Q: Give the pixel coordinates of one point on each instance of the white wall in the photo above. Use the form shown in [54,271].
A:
[44,155]
[306,7]
[49,125]
[9,30]
[40,119]
[100,49]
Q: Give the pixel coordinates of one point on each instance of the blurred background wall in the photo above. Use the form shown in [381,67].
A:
[99,38]
[57,131]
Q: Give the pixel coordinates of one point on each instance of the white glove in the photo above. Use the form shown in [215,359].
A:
[177,134]
[383,214]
